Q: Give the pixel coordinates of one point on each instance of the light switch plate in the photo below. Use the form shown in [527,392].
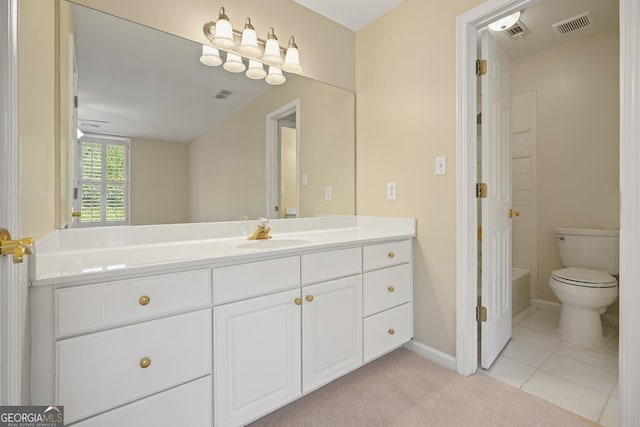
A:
[305,179]
[392,191]
[441,165]
[327,194]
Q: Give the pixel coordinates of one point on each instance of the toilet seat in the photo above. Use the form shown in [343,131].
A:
[584,277]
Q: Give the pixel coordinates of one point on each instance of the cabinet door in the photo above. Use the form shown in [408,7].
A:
[256,357]
[332,330]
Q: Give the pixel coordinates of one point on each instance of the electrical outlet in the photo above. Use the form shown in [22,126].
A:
[327,194]
[392,192]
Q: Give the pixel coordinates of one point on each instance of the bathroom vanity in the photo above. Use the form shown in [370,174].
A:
[158,325]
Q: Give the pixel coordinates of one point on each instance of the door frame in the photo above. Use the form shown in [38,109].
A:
[467,221]
[273,155]
[11,301]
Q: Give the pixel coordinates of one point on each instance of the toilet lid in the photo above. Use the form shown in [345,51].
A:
[585,277]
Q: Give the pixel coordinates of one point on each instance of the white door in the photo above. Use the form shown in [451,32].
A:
[496,222]
[12,276]
[331,330]
[256,357]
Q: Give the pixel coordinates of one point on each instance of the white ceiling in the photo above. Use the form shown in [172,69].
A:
[353,14]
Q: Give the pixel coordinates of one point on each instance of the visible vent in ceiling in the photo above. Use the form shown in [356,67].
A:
[517,31]
[223,94]
[574,24]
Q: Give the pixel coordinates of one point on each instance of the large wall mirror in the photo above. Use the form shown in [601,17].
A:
[204,144]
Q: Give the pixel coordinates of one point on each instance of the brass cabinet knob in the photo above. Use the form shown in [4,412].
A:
[309,298]
[391,254]
[391,289]
[392,331]
[144,300]
[298,301]
[145,362]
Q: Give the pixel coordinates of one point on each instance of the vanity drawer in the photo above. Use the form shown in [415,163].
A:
[86,308]
[100,371]
[386,254]
[257,278]
[387,330]
[386,288]
[185,405]
[323,266]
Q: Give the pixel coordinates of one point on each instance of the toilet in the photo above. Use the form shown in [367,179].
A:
[585,287]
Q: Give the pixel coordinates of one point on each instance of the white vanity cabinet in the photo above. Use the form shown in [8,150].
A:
[117,347]
[269,350]
[388,296]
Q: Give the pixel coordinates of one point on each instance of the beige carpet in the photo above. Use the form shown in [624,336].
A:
[404,389]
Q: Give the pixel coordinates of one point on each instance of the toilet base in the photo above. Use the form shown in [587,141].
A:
[581,326]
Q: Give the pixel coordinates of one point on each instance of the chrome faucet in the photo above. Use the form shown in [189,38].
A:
[262,232]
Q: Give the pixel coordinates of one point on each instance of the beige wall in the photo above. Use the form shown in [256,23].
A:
[227,162]
[578,141]
[38,121]
[327,50]
[159,182]
[405,118]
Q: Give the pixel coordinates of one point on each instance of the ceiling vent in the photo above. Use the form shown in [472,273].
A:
[574,24]
[517,31]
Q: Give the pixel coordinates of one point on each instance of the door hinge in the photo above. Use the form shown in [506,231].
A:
[479,119]
[481,314]
[481,190]
[75,101]
[481,67]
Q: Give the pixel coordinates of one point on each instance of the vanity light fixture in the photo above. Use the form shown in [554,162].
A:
[505,23]
[256,51]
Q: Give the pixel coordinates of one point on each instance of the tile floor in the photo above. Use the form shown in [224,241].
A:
[582,381]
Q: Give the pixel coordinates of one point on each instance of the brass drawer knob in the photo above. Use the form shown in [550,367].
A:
[391,289]
[391,254]
[298,301]
[392,331]
[144,300]
[309,298]
[145,362]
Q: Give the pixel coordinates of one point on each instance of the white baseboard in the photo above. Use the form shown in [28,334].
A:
[436,356]
[548,305]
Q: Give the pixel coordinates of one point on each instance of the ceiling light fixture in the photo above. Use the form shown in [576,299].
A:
[256,51]
[505,23]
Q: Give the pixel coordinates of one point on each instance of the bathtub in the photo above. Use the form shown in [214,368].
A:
[520,290]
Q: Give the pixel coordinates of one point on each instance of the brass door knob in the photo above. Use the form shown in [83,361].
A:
[391,289]
[16,248]
[144,300]
[391,254]
[392,331]
[513,213]
[145,362]
[309,298]
[298,301]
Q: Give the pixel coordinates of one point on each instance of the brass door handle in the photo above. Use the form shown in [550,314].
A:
[309,298]
[144,300]
[16,248]
[513,213]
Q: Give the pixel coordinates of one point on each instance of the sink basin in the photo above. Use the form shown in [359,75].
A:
[273,243]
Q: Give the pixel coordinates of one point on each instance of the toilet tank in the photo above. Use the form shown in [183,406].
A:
[596,249]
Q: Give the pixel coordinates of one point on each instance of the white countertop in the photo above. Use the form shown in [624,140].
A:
[80,256]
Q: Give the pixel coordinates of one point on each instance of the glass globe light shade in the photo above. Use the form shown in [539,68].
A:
[234,63]
[223,35]
[210,56]
[249,44]
[256,70]
[275,76]
[272,50]
[292,59]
